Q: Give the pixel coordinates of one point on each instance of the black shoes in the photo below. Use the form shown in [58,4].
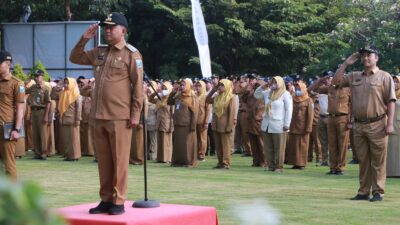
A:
[331,172]
[222,167]
[339,172]
[354,161]
[108,207]
[376,198]
[103,207]
[116,209]
[360,197]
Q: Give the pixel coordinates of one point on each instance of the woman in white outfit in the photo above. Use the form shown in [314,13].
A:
[276,121]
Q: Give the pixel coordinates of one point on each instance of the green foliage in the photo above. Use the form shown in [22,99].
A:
[39,66]
[19,73]
[22,203]
[266,36]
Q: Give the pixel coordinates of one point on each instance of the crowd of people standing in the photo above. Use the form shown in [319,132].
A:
[274,120]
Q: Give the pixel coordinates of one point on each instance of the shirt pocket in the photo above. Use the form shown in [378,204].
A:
[119,69]
[5,92]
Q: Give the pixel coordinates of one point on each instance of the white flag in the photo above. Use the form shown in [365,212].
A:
[200,33]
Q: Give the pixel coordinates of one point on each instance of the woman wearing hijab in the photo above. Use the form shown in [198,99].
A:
[224,118]
[276,121]
[202,119]
[164,123]
[393,153]
[185,119]
[70,109]
[300,127]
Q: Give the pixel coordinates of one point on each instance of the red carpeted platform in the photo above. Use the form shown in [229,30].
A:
[166,214]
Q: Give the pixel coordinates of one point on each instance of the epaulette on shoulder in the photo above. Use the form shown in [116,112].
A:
[102,46]
[15,78]
[131,48]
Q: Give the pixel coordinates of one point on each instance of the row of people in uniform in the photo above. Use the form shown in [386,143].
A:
[315,121]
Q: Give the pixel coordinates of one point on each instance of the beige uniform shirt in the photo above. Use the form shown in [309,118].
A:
[12,91]
[39,96]
[370,93]
[338,99]
[118,71]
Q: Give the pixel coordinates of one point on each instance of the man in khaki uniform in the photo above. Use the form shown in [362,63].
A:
[338,118]
[12,98]
[372,100]
[40,102]
[117,102]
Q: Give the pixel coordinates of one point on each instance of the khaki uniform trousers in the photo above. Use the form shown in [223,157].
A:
[113,143]
[201,134]
[353,148]
[20,147]
[338,141]
[152,143]
[243,117]
[274,149]
[7,155]
[238,142]
[51,145]
[323,137]
[39,133]
[223,147]
[315,145]
[137,147]
[28,135]
[370,141]
[86,135]
[257,148]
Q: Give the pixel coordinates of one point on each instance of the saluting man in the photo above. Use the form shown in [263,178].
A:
[373,100]
[12,98]
[117,102]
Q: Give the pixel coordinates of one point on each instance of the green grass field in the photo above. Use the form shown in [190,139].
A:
[302,197]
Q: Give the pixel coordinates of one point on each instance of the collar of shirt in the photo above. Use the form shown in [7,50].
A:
[119,45]
[8,77]
[374,71]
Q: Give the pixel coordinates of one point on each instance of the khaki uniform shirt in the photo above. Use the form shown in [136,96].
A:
[302,119]
[164,119]
[204,111]
[255,112]
[73,115]
[370,93]
[12,92]
[315,97]
[118,71]
[183,116]
[224,124]
[338,99]
[39,96]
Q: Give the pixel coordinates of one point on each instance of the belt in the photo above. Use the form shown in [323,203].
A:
[37,108]
[242,110]
[337,114]
[370,120]
[323,115]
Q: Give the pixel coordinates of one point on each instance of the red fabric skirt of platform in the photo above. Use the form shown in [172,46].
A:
[166,214]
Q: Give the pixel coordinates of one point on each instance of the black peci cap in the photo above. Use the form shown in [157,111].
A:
[5,56]
[38,73]
[115,19]
[369,49]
